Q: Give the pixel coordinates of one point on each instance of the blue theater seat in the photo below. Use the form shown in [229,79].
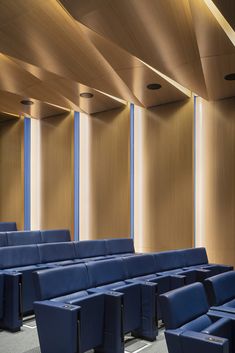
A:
[57,253]
[23,238]
[139,317]
[189,325]
[221,291]
[197,258]
[91,250]
[7,226]
[120,247]
[55,235]
[70,319]
[3,239]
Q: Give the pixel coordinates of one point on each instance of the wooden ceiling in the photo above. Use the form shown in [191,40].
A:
[52,51]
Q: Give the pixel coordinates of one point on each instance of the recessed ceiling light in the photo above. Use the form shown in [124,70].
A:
[26,102]
[86,95]
[230,77]
[154,86]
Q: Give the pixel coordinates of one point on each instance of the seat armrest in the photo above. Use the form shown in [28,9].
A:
[177,281]
[1,294]
[195,342]
[202,274]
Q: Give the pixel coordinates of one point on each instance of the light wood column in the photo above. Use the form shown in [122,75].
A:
[215,176]
[12,172]
[57,172]
[164,177]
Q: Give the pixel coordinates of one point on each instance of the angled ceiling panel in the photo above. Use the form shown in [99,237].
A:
[227,8]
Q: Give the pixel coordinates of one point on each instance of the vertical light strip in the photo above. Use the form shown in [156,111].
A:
[199,175]
[27,157]
[85,182]
[195,167]
[132,156]
[76,174]
[138,177]
[35,174]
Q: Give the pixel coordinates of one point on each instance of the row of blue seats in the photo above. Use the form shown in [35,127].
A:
[27,237]
[201,318]
[75,291]
[172,268]
[8,227]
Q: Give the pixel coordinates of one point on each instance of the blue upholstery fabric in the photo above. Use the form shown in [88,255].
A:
[55,235]
[7,226]
[23,238]
[3,239]
[221,288]
[183,305]
[105,272]
[139,265]
[195,256]
[61,281]
[119,246]
[15,256]
[56,252]
[90,248]
[168,260]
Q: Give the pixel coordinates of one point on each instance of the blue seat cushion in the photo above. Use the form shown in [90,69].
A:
[169,260]
[55,235]
[111,286]
[146,277]
[90,248]
[197,324]
[70,298]
[60,263]
[120,246]
[230,304]
[183,305]
[23,238]
[61,281]
[105,272]
[3,239]
[139,265]
[56,252]
[7,226]
[195,256]
[15,256]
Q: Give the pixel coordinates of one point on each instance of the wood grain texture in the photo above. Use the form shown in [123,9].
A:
[12,172]
[164,184]
[218,171]
[57,172]
[105,187]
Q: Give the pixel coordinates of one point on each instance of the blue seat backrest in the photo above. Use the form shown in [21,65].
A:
[60,281]
[23,238]
[3,239]
[7,226]
[17,256]
[90,248]
[105,271]
[120,246]
[183,305]
[55,235]
[139,265]
[221,288]
[168,260]
[195,256]
[56,252]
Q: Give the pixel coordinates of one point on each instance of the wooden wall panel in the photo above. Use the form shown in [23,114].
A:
[57,172]
[12,172]
[105,184]
[217,169]
[164,177]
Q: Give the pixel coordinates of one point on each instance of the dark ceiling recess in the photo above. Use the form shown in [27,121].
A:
[230,77]
[26,102]
[86,95]
[154,86]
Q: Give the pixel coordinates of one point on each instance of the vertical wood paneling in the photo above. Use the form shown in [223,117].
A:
[105,186]
[12,172]
[57,172]
[164,177]
[217,135]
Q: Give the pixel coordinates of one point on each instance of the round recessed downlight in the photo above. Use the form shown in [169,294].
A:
[26,102]
[230,77]
[154,86]
[86,95]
